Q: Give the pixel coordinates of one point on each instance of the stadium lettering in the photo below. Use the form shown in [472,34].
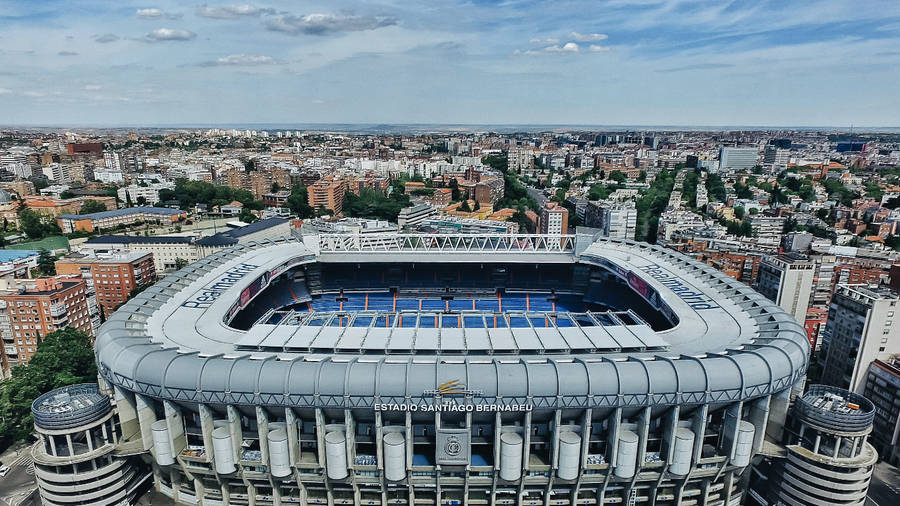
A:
[452,407]
[697,300]
[212,291]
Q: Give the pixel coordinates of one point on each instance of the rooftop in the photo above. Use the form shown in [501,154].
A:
[136,239]
[163,211]
[13,255]
[69,407]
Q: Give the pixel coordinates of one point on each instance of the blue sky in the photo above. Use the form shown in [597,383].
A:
[609,62]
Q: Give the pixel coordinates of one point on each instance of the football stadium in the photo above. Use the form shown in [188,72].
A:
[447,369]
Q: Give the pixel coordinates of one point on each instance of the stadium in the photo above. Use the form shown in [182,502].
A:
[449,369]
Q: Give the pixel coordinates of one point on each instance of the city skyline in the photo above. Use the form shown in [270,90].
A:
[618,62]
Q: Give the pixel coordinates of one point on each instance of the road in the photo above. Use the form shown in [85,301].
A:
[884,490]
[17,487]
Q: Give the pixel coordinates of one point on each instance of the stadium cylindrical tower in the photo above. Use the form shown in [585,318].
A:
[75,460]
[829,460]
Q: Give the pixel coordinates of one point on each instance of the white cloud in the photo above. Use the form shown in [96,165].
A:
[67,53]
[92,87]
[33,94]
[240,60]
[5,91]
[568,47]
[598,49]
[544,41]
[324,24]
[168,34]
[588,37]
[154,13]
[318,101]
[231,11]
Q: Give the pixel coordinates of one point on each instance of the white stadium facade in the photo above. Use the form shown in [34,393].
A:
[449,369]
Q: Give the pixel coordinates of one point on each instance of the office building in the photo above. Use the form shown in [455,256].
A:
[446,369]
[860,329]
[554,219]
[113,278]
[34,308]
[826,458]
[883,389]
[737,158]
[787,280]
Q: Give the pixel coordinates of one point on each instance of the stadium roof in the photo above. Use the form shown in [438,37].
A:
[730,342]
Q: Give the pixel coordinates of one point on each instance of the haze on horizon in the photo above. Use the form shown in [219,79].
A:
[605,62]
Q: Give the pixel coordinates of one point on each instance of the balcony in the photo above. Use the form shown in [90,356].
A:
[58,310]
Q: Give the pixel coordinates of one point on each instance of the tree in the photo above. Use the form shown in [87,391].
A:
[464,207]
[63,357]
[298,202]
[739,212]
[247,216]
[92,206]
[30,222]
[46,263]
[180,263]
[617,176]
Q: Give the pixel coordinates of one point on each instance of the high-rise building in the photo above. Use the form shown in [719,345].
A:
[787,280]
[883,389]
[737,158]
[554,219]
[113,277]
[860,329]
[37,307]
[328,194]
[826,458]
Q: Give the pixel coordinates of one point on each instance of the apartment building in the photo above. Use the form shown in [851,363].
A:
[860,329]
[31,309]
[328,194]
[554,219]
[113,277]
[882,387]
[167,251]
[787,280]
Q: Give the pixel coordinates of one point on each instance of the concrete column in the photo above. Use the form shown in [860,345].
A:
[175,423]
[262,427]
[320,438]
[127,411]
[759,416]
[837,446]
[145,416]
[69,443]
[90,439]
[816,444]
[234,427]
[293,435]
[207,425]
[778,410]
